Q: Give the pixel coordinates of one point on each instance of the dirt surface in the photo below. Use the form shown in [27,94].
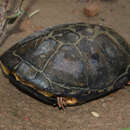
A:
[21,112]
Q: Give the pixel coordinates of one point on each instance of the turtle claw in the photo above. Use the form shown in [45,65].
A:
[61,102]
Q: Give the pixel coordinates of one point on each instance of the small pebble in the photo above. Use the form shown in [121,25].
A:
[104,105]
[91,9]
[95,114]
[109,98]
[102,100]
[27,118]
[102,19]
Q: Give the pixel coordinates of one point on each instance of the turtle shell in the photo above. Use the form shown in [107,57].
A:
[77,61]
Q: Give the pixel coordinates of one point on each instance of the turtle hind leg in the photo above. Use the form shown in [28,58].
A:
[61,101]
[128,82]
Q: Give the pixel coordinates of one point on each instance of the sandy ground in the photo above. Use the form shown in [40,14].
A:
[21,112]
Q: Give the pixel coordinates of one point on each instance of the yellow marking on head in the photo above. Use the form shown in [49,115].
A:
[4,69]
[45,93]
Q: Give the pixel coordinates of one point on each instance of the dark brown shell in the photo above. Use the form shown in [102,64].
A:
[75,60]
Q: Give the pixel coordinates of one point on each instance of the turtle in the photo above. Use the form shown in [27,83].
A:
[68,64]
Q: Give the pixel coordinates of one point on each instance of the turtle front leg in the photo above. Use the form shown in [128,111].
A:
[61,102]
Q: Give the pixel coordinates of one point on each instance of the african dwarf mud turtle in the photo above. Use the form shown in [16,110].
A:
[69,64]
